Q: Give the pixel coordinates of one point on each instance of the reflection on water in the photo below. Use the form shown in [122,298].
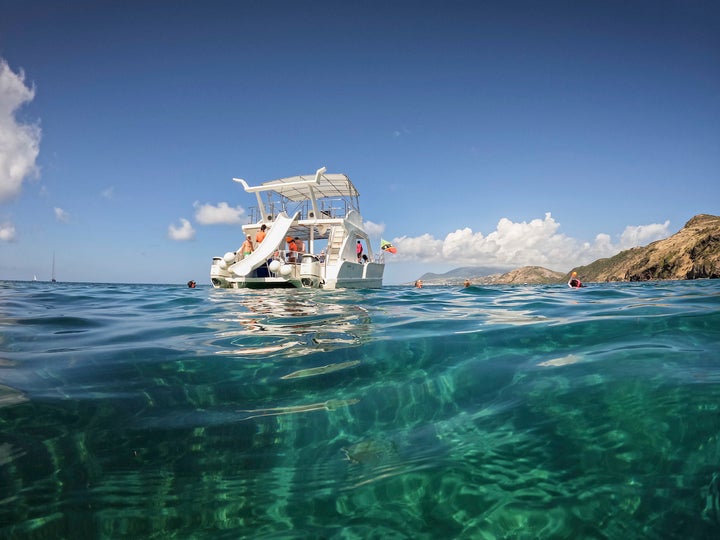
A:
[292,323]
[494,412]
[330,405]
[311,372]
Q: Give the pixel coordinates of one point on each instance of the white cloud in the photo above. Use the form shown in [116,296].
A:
[19,143]
[641,235]
[184,232]
[61,215]
[7,232]
[512,245]
[374,230]
[222,214]
[108,193]
[423,248]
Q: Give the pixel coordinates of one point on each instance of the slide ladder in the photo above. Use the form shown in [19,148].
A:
[265,249]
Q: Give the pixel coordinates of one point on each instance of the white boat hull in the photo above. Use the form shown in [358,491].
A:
[351,276]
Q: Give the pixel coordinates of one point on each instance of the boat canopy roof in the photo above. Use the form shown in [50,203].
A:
[313,195]
[297,188]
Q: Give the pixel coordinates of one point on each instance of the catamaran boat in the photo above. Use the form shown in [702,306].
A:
[313,227]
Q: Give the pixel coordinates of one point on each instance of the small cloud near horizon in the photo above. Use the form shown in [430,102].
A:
[20,142]
[512,244]
[183,232]
[222,214]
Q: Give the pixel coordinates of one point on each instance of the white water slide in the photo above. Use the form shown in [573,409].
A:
[267,247]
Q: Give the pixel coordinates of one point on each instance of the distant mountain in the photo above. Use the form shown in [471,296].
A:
[691,253]
[458,275]
[527,275]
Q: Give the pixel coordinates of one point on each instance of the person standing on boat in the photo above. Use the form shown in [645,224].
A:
[260,236]
[247,247]
[359,250]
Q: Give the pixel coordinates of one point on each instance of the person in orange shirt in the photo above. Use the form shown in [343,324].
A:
[260,236]
[300,245]
[292,248]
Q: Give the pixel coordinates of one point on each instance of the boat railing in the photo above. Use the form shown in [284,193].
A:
[287,256]
[328,208]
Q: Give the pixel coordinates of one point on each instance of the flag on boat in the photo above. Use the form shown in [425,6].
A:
[387,246]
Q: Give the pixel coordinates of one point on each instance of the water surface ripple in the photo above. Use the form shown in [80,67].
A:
[151,411]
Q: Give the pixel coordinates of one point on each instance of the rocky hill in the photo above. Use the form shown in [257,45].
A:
[458,275]
[691,253]
[527,275]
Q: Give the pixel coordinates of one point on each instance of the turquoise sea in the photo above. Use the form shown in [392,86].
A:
[517,412]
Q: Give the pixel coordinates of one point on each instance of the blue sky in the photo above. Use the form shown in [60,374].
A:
[481,133]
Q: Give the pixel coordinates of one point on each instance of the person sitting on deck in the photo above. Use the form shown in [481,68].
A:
[292,249]
[300,245]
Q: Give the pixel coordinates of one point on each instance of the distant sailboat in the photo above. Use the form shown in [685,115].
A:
[53,280]
[34,277]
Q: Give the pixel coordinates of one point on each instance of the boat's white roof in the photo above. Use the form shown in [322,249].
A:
[297,188]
